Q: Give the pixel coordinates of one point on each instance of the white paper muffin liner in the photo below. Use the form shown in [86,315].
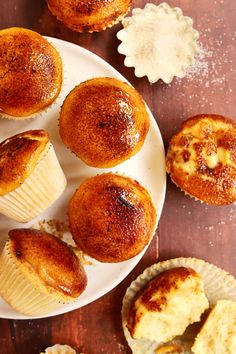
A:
[38,192]
[59,349]
[19,292]
[218,284]
[159,42]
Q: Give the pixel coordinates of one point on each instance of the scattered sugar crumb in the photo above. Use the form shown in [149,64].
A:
[201,64]
[210,228]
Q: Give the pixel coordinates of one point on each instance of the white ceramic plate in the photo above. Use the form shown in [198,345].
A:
[148,167]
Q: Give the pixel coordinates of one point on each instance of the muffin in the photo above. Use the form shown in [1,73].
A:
[31,73]
[167,305]
[111,217]
[31,178]
[104,121]
[217,283]
[218,334]
[89,15]
[39,272]
[201,159]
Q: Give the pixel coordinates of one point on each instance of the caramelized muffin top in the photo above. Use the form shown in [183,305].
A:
[201,159]
[30,71]
[89,15]
[111,217]
[47,261]
[110,115]
[19,155]
[164,283]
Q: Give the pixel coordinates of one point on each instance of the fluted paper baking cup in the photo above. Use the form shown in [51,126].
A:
[159,42]
[59,349]
[19,292]
[218,284]
[38,192]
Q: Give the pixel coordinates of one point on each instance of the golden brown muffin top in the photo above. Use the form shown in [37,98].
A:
[19,155]
[154,296]
[30,71]
[89,15]
[201,158]
[111,217]
[45,257]
[164,283]
[104,121]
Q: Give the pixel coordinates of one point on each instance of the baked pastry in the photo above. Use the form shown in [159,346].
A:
[39,272]
[30,71]
[89,15]
[218,334]
[159,42]
[59,349]
[167,305]
[110,115]
[218,284]
[31,178]
[111,217]
[201,159]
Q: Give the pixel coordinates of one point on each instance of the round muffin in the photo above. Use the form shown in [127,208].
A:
[89,15]
[31,73]
[104,121]
[112,217]
[39,272]
[201,159]
[31,178]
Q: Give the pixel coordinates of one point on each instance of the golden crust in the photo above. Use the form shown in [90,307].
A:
[154,296]
[19,155]
[42,256]
[110,115]
[201,158]
[30,72]
[111,217]
[89,15]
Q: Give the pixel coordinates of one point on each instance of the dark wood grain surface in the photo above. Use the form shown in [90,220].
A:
[186,228]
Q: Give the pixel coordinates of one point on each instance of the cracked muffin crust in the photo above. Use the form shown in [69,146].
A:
[104,121]
[201,159]
[89,15]
[167,305]
[30,71]
[112,217]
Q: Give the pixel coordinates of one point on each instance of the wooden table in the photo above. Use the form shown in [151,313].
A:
[186,228]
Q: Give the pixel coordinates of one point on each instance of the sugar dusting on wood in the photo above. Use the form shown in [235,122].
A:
[212,76]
